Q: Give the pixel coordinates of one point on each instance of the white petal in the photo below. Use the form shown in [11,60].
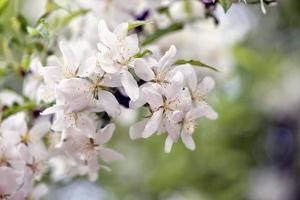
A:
[111,80]
[77,93]
[205,86]
[52,74]
[104,135]
[143,70]
[105,35]
[109,155]
[176,85]
[53,109]
[154,99]
[121,30]
[87,67]
[153,124]
[130,85]
[109,103]
[206,110]
[136,130]
[167,60]
[168,144]
[188,141]
[131,46]
[39,130]
[70,61]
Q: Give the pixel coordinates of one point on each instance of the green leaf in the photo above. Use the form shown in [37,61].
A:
[143,54]
[135,24]
[196,63]
[3,5]
[226,4]
[162,32]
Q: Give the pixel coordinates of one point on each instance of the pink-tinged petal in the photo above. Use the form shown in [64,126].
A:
[130,85]
[168,144]
[109,103]
[205,86]
[104,134]
[109,155]
[167,60]
[154,99]
[121,31]
[171,126]
[176,116]
[143,70]
[105,35]
[77,93]
[86,126]
[136,130]
[176,85]
[188,141]
[71,62]
[87,67]
[153,124]
[8,183]
[25,153]
[207,110]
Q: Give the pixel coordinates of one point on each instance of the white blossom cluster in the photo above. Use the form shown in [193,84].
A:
[81,92]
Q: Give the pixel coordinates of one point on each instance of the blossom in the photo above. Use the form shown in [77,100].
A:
[156,72]
[32,86]
[163,105]
[86,149]
[116,55]
[15,131]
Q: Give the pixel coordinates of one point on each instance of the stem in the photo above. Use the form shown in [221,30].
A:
[27,106]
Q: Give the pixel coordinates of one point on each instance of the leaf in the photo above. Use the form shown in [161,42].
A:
[136,24]
[143,54]
[162,32]
[196,63]
[226,4]
[3,5]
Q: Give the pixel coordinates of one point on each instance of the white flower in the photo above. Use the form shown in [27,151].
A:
[15,131]
[81,93]
[174,98]
[69,68]
[35,158]
[116,55]
[32,86]
[86,149]
[186,124]
[156,72]
[199,90]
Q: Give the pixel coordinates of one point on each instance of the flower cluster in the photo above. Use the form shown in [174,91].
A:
[23,157]
[82,94]
[173,94]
